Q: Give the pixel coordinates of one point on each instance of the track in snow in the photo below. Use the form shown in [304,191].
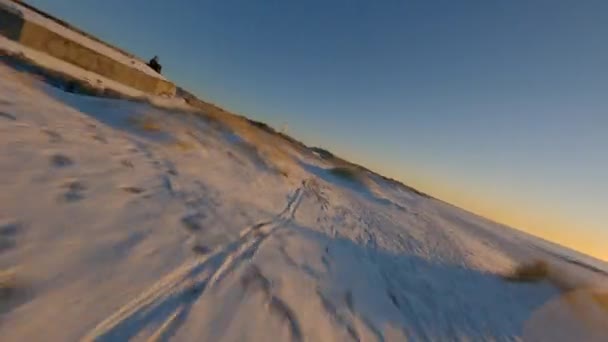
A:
[170,299]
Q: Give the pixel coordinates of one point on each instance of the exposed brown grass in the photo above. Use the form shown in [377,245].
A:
[540,270]
[145,123]
[149,125]
[14,291]
[530,272]
[8,284]
[602,300]
[184,146]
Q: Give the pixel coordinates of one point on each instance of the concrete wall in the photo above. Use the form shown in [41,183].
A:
[11,23]
[39,38]
[67,25]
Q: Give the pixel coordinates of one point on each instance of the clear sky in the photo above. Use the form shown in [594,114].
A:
[500,107]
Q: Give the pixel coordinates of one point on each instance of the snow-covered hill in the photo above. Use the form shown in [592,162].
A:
[126,220]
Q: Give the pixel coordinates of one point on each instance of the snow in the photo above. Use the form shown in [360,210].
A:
[87,42]
[94,80]
[131,220]
[10,47]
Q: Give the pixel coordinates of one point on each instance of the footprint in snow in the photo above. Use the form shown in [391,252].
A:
[192,222]
[13,291]
[127,163]
[393,298]
[201,249]
[61,160]
[171,169]
[7,116]
[100,138]
[75,191]
[348,298]
[8,233]
[9,228]
[53,136]
[132,189]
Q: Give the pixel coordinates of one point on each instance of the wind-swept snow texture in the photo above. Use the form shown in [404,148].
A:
[124,221]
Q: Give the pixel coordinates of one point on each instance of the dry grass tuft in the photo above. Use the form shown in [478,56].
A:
[530,272]
[184,146]
[8,284]
[145,123]
[149,125]
[14,291]
[602,300]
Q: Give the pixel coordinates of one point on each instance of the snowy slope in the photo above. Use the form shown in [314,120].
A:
[126,221]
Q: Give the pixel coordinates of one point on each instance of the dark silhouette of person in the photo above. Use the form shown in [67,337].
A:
[153,63]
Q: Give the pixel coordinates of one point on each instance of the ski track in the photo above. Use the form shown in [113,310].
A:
[173,295]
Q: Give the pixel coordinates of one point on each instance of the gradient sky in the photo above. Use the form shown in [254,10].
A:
[500,107]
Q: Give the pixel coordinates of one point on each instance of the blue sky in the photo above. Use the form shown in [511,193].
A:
[498,106]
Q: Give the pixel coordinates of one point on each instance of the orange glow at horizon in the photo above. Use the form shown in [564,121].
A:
[506,211]
[530,218]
